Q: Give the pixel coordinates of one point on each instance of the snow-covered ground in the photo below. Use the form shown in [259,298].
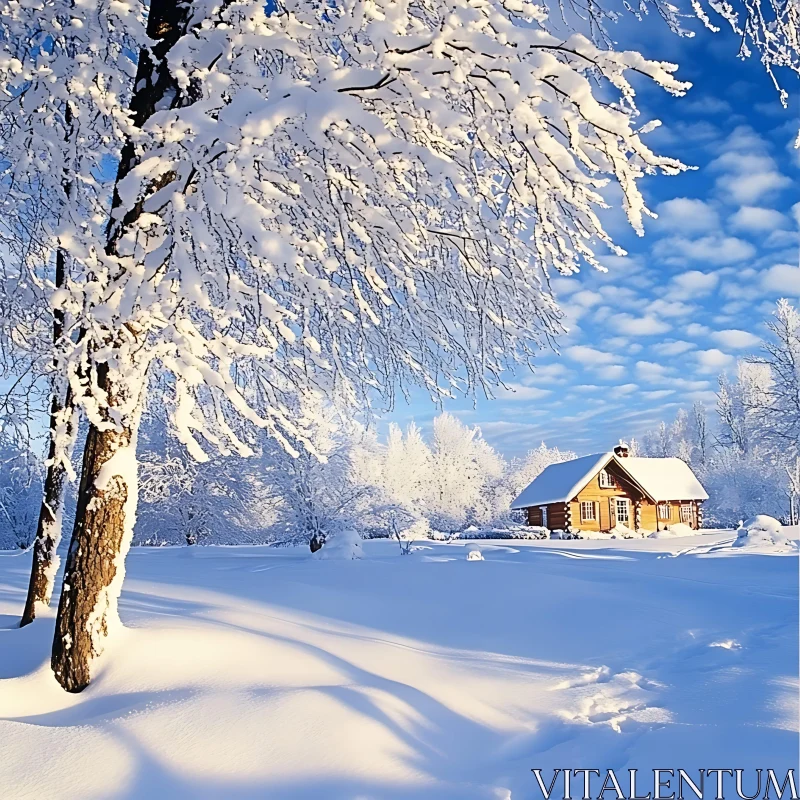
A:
[259,672]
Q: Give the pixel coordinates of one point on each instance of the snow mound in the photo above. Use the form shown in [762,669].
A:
[474,555]
[344,546]
[579,534]
[511,532]
[673,531]
[763,532]
[559,534]
[623,532]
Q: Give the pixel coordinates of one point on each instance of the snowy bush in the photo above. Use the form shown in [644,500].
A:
[344,545]
[511,532]
[763,532]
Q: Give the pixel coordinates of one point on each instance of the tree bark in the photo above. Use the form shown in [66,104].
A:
[100,540]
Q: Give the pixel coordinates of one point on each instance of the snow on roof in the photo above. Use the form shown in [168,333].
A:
[660,478]
[664,478]
[559,483]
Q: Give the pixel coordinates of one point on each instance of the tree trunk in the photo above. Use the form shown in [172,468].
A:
[48,529]
[100,541]
[108,488]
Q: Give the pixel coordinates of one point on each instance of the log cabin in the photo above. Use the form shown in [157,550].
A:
[608,490]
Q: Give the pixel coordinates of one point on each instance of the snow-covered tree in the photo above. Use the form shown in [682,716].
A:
[699,433]
[228,499]
[322,198]
[682,446]
[747,460]
[455,481]
[321,492]
[523,470]
[463,466]
[773,399]
[742,485]
[20,490]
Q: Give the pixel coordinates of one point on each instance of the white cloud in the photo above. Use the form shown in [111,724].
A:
[707,105]
[735,339]
[713,360]
[516,391]
[695,329]
[588,355]
[625,388]
[651,370]
[614,372]
[749,187]
[674,348]
[561,285]
[671,307]
[687,215]
[658,394]
[587,298]
[781,238]
[796,208]
[687,385]
[640,326]
[756,219]
[549,372]
[709,249]
[695,283]
[620,264]
[748,173]
[782,279]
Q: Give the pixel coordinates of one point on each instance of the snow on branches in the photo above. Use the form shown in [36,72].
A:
[771,28]
[354,195]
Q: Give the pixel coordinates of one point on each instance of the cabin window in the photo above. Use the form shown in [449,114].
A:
[686,514]
[663,511]
[606,480]
[623,515]
[588,512]
[543,509]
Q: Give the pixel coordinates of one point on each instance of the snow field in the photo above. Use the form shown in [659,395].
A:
[251,672]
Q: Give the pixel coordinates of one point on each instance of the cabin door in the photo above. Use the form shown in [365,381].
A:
[622,511]
[543,509]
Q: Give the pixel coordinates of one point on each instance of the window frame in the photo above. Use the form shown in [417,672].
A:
[687,507]
[606,480]
[668,507]
[590,505]
[627,504]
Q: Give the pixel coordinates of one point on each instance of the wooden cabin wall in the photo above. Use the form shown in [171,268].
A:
[534,516]
[648,515]
[594,493]
[557,517]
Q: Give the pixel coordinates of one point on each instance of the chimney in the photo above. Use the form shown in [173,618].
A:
[621,450]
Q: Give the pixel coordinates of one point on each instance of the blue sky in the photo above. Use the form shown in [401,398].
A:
[656,330]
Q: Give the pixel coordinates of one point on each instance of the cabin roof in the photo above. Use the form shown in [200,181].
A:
[559,483]
[664,478]
[659,478]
